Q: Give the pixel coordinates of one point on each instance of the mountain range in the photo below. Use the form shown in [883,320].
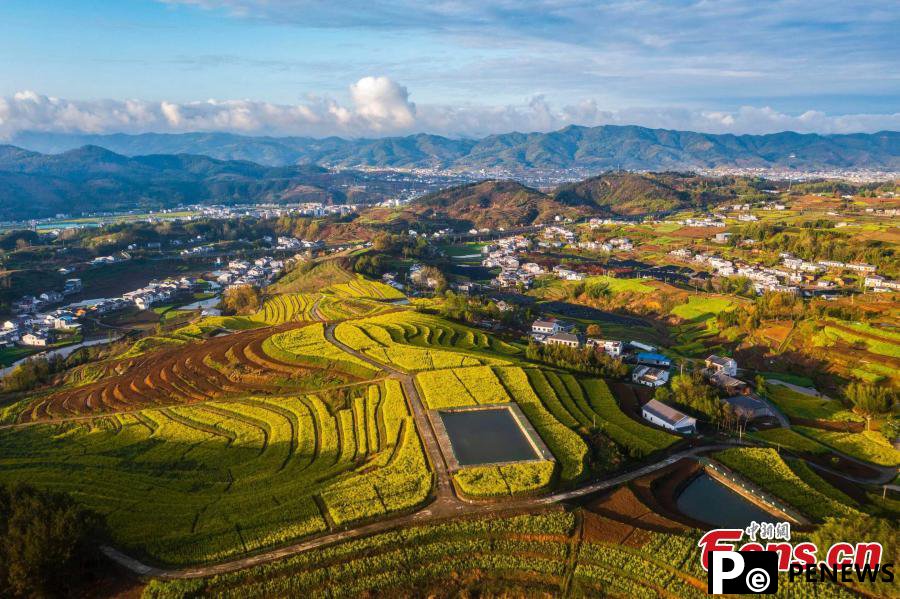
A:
[90,179]
[505,203]
[586,148]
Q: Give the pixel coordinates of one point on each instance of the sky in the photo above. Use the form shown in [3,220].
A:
[451,67]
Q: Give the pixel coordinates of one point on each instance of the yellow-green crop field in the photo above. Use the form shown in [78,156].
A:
[201,483]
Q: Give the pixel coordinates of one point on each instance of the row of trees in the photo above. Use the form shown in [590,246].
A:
[587,359]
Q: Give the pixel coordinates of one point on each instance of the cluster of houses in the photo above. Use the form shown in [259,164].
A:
[622,244]
[722,373]
[788,278]
[37,330]
[292,243]
[157,292]
[30,304]
[240,273]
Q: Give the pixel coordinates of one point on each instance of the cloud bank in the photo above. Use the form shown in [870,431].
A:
[380,106]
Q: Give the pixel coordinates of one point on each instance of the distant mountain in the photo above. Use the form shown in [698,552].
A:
[95,179]
[589,148]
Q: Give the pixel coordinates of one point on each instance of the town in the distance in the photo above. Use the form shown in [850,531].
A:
[469,299]
[620,363]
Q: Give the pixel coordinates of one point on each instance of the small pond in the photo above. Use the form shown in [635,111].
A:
[486,436]
[707,500]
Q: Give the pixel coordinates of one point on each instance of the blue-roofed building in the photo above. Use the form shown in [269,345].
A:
[653,359]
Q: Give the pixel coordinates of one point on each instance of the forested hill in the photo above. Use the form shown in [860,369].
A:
[597,148]
[92,178]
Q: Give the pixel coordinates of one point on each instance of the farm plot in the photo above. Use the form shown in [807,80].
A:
[189,484]
[413,341]
[360,287]
[219,367]
[307,345]
[453,388]
[637,439]
[507,479]
[798,405]
[526,552]
[868,446]
[792,481]
[288,307]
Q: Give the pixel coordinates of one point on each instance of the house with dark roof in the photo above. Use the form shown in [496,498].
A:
[719,364]
[563,338]
[668,417]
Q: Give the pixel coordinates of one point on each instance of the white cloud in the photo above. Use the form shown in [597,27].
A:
[380,106]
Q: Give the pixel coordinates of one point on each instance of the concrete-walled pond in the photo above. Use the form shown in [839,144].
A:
[707,500]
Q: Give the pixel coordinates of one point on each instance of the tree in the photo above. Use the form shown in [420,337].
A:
[760,385]
[244,299]
[594,330]
[47,543]
[869,400]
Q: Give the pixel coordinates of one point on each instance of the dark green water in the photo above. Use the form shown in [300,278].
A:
[707,500]
[486,436]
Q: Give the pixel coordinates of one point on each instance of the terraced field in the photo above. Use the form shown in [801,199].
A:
[192,372]
[188,484]
[791,480]
[554,554]
[557,405]
[413,341]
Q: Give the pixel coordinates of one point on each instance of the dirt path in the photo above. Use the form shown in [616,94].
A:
[445,497]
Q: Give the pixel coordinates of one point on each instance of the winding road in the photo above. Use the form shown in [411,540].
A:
[446,505]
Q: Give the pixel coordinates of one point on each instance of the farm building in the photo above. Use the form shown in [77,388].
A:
[652,377]
[719,364]
[545,327]
[729,384]
[668,417]
[653,359]
[748,406]
[612,348]
[562,338]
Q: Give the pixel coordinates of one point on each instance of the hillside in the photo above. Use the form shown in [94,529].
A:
[96,179]
[492,204]
[599,148]
[631,193]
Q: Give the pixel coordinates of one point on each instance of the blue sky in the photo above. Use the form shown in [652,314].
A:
[460,67]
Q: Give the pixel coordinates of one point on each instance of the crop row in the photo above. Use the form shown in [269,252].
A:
[507,479]
[638,439]
[768,470]
[403,559]
[198,483]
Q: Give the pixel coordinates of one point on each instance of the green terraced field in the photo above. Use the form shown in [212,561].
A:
[201,483]
[414,341]
[536,555]
[799,405]
[868,446]
[791,481]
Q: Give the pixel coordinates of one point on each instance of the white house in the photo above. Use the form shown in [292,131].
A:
[649,376]
[612,348]
[718,364]
[545,327]
[668,417]
[35,339]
